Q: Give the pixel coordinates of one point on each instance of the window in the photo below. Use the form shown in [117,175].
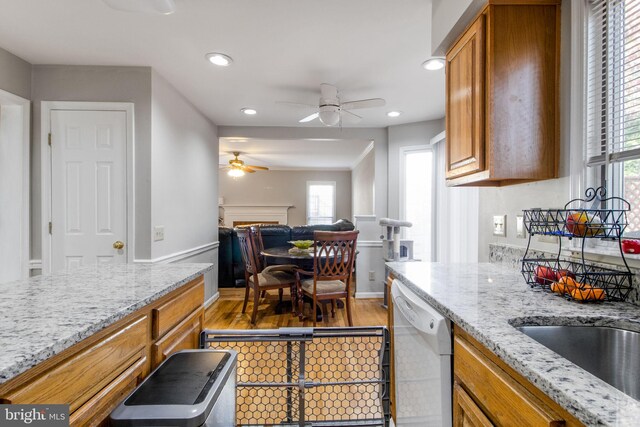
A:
[416,199]
[612,114]
[321,202]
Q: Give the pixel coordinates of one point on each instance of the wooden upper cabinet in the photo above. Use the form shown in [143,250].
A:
[465,103]
[502,105]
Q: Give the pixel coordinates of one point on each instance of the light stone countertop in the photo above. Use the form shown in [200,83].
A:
[487,299]
[42,316]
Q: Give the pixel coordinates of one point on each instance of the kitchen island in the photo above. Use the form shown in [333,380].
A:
[87,337]
[487,301]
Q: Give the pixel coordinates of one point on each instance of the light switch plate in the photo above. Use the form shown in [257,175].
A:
[521,231]
[500,225]
[158,233]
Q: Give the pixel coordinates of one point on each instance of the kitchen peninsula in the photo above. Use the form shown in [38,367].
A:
[88,337]
[486,302]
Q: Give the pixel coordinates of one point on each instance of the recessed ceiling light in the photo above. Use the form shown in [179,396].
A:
[219,59]
[394,113]
[249,111]
[433,64]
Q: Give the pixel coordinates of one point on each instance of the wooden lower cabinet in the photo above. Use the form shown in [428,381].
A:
[487,392]
[465,411]
[96,374]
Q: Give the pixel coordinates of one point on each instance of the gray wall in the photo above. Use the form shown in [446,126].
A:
[406,135]
[285,187]
[15,74]
[552,193]
[98,84]
[362,185]
[378,135]
[184,172]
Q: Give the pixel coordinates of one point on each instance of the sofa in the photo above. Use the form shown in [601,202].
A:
[230,266]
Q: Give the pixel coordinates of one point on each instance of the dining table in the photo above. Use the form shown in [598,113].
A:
[303,259]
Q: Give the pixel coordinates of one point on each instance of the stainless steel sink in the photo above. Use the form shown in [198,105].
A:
[611,354]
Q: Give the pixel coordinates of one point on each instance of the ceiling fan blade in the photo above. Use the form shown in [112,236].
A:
[309,118]
[363,103]
[350,117]
[296,104]
[261,168]
[247,169]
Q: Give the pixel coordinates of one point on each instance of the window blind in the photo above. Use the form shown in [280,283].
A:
[613,81]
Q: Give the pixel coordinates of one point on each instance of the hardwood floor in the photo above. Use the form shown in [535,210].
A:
[226,313]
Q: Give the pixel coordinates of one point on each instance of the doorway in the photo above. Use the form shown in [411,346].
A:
[87,184]
[14,187]
[417,177]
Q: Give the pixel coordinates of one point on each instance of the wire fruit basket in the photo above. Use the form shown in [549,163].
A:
[606,218]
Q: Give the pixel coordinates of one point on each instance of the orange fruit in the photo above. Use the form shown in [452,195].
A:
[569,283]
[588,294]
[558,288]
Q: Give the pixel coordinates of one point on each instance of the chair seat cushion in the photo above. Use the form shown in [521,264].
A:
[323,286]
[273,278]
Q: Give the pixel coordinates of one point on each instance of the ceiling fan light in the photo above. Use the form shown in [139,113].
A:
[219,59]
[433,64]
[235,172]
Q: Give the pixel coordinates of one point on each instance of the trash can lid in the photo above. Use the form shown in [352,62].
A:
[182,390]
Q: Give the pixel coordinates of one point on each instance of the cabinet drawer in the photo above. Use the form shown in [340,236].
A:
[173,311]
[78,378]
[183,337]
[505,401]
[96,411]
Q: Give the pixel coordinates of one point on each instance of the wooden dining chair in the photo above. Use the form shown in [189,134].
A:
[259,278]
[334,256]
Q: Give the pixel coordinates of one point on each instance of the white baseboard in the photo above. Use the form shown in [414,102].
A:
[215,297]
[369,244]
[180,255]
[35,264]
[370,295]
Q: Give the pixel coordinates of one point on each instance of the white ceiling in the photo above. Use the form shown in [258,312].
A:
[338,154]
[282,50]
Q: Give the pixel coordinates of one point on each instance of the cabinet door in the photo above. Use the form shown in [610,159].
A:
[465,103]
[465,411]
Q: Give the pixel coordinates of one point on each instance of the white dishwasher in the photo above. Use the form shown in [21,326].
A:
[422,360]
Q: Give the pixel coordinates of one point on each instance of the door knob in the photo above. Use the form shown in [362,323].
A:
[118,244]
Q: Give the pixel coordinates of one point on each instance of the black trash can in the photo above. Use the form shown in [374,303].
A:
[192,388]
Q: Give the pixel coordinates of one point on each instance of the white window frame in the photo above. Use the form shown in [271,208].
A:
[403,151]
[578,118]
[331,183]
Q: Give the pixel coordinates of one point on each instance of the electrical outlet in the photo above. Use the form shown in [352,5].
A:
[521,231]
[158,233]
[372,276]
[500,225]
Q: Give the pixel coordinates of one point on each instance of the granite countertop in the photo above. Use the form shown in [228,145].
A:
[42,316]
[487,299]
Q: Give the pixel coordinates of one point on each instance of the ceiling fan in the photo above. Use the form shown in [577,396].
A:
[331,111]
[238,168]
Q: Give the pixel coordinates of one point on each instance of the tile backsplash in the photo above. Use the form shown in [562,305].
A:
[512,256]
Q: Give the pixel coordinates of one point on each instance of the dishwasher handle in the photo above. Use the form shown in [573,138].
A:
[422,316]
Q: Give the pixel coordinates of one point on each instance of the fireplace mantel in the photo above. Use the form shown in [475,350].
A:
[274,214]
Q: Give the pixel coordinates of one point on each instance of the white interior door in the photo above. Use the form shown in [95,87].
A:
[88,188]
